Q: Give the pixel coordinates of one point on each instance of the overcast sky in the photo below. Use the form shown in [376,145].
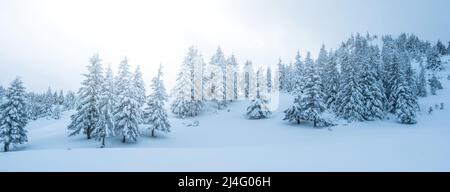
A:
[48,42]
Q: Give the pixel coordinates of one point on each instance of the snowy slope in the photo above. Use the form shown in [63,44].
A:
[227,141]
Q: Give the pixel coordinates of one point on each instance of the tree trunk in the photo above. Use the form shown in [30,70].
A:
[298,121]
[6,147]
[88,133]
[103,142]
[123,140]
[153,132]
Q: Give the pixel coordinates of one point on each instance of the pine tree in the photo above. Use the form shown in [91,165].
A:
[294,113]
[48,103]
[350,99]
[87,115]
[61,98]
[435,84]
[269,79]
[281,75]
[441,48]
[321,61]
[371,84]
[139,85]
[105,125]
[70,100]
[421,85]
[155,112]
[216,87]
[56,112]
[248,80]
[404,102]
[434,62]
[388,52]
[13,117]
[258,108]
[311,104]
[220,61]
[188,88]
[330,81]
[297,75]
[233,70]
[128,113]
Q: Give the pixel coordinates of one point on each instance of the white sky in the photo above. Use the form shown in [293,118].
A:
[48,42]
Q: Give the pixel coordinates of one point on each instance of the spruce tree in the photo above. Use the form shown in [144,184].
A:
[258,108]
[421,84]
[128,113]
[234,71]
[371,84]
[269,83]
[435,84]
[188,90]
[350,99]
[297,75]
[87,115]
[139,85]
[330,81]
[248,80]
[441,48]
[105,125]
[13,116]
[311,104]
[402,101]
[155,113]
[434,62]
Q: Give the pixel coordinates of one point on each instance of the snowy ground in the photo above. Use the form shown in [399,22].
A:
[227,141]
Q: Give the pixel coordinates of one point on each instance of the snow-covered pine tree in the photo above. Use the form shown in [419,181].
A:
[402,102]
[321,61]
[155,113]
[139,85]
[291,76]
[128,113]
[309,106]
[57,112]
[233,70]
[442,50]
[350,100]
[434,62]
[70,100]
[188,91]
[387,55]
[219,60]
[422,83]
[297,75]
[48,103]
[61,98]
[281,75]
[87,115]
[294,112]
[215,86]
[248,80]
[435,84]
[258,108]
[105,125]
[13,117]
[330,81]
[372,86]
[269,79]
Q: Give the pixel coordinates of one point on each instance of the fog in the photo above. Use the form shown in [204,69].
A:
[49,42]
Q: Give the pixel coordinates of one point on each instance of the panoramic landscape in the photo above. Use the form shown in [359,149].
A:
[156,91]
